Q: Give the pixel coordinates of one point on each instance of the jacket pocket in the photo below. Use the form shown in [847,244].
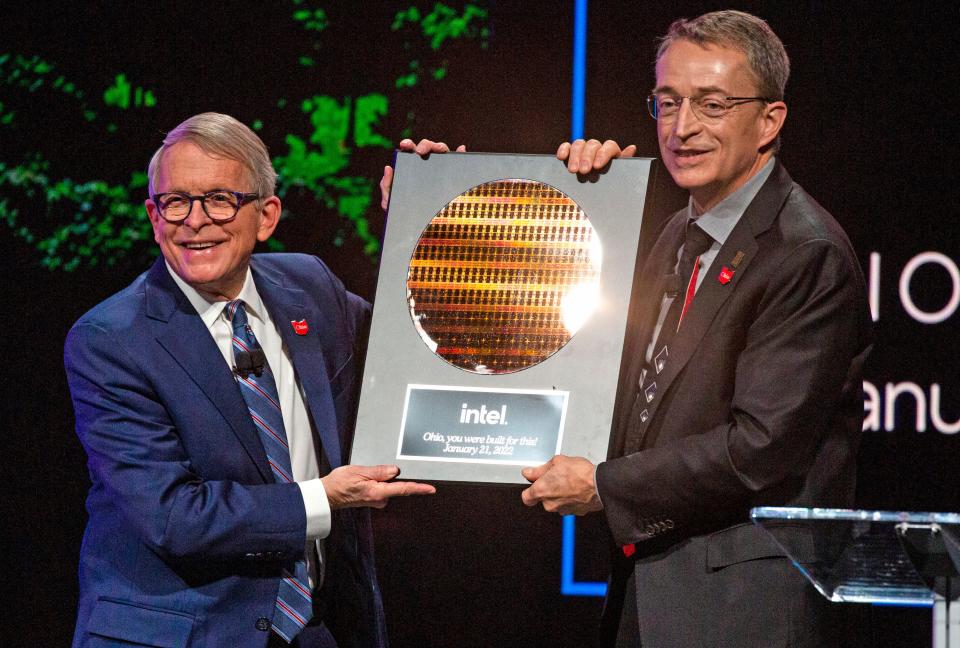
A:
[139,624]
[745,542]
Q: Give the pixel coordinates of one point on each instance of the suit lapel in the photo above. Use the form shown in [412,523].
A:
[647,311]
[642,319]
[287,304]
[185,337]
[712,294]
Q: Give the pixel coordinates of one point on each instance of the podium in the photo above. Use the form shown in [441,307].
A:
[886,557]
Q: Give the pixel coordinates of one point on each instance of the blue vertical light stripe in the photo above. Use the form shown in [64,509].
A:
[579,68]
[568,586]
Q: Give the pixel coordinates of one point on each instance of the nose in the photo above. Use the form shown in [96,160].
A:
[196,218]
[687,123]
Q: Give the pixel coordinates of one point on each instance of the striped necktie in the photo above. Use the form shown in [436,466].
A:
[696,242]
[294,605]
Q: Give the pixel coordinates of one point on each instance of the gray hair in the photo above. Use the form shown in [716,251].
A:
[224,137]
[764,51]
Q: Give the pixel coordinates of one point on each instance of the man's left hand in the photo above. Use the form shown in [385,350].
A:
[584,156]
[563,485]
[422,148]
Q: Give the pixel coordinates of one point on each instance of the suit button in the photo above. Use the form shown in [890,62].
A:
[263,624]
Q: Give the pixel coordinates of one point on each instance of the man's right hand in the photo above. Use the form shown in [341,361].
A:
[349,486]
[423,148]
[591,155]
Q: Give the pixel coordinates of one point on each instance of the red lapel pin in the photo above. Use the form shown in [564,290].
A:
[301,327]
[725,275]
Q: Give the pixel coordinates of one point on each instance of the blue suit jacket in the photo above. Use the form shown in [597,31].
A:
[187,530]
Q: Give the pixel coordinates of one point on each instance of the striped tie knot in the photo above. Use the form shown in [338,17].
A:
[236,313]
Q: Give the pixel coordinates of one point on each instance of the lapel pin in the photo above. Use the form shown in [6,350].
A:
[725,275]
[301,327]
[737,259]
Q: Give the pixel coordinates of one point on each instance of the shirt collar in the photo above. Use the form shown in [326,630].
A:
[720,221]
[209,311]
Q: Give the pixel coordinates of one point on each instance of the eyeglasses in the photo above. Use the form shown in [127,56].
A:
[708,107]
[221,205]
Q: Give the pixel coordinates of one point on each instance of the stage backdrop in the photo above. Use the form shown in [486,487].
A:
[87,91]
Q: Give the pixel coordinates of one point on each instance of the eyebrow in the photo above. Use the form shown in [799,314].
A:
[205,191]
[700,91]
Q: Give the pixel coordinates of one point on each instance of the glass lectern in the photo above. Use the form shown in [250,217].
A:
[876,557]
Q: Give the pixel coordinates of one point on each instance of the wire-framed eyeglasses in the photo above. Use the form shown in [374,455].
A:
[666,107]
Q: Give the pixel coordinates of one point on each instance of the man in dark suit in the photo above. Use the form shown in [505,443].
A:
[746,376]
[215,399]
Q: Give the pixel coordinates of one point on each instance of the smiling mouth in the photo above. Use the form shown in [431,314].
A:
[688,153]
[200,246]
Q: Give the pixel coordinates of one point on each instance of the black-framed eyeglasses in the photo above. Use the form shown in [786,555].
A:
[665,107]
[221,205]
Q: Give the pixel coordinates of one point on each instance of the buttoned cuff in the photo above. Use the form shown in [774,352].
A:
[317,507]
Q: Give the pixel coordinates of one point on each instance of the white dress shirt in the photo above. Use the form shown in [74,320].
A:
[296,421]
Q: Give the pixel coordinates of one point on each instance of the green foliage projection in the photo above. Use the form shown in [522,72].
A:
[71,224]
[31,73]
[74,224]
[441,24]
[315,168]
[90,223]
[310,19]
[119,95]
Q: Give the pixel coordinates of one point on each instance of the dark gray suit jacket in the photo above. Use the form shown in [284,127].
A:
[759,405]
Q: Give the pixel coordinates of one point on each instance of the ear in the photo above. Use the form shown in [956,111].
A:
[771,122]
[269,218]
[154,215]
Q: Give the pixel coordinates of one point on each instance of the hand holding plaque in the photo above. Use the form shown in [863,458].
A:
[585,156]
[563,485]
[423,147]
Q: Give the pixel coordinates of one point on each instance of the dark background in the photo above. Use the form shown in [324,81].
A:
[872,133]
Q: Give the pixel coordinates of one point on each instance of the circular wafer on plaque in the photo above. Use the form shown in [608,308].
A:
[504,276]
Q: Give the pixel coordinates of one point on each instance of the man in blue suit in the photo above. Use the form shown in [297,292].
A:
[215,399]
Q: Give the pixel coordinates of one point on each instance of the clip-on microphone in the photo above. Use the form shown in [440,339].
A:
[248,362]
[671,285]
